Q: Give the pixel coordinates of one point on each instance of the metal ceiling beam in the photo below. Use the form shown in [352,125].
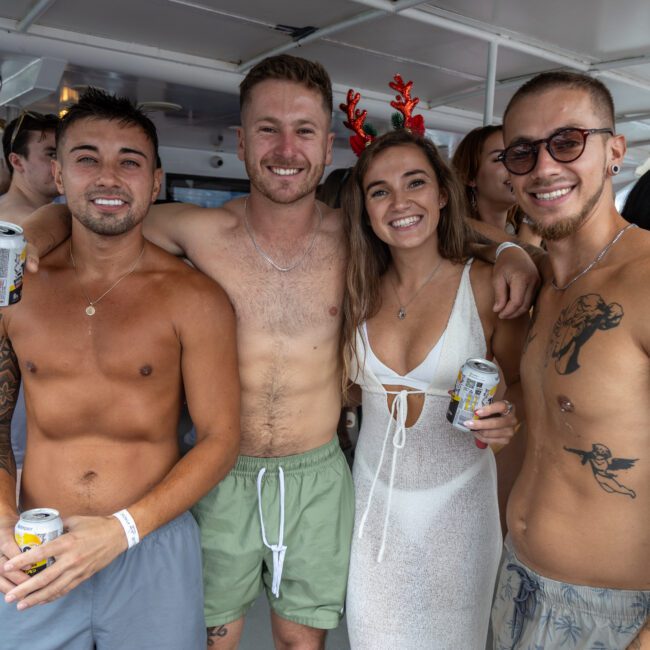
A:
[459,24]
[626,62]
[118,56]
[491,75]
[176,67]
[404,59]
[453,22]
[392,7]
[33,15]
[632,117]
[477,91]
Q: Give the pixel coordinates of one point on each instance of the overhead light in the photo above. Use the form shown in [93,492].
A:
[68,95]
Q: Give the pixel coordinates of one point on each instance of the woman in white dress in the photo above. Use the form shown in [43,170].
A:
[427,540]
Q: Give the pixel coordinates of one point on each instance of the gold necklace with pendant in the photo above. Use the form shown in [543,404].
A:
[90,310]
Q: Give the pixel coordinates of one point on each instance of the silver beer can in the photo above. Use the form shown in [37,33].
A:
[12,262]
[36,527]
[475,387]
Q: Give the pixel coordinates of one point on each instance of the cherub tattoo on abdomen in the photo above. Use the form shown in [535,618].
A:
[603,466]
[576,324]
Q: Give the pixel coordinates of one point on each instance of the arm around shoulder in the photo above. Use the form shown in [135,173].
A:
[179,227]
[44,230]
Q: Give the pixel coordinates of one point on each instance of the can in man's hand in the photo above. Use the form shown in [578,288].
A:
[36,527]
[12,262]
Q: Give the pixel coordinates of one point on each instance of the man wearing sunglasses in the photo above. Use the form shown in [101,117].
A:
[576,571]
[29,148]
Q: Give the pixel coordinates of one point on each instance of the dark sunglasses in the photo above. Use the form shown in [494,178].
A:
[564,145]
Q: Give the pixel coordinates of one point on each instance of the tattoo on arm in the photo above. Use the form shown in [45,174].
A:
[603,467]
[576,324]
[216,631]
[9,386]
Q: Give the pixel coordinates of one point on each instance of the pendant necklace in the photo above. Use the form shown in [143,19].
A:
[90,310]
[596,259]
[265,256]
[401,312]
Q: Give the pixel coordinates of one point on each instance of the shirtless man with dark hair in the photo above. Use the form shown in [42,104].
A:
[28,148]
[281,256]
[108,336]
[577,572]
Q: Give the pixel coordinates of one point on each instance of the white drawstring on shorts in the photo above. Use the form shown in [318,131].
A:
[278,549]
[398,413]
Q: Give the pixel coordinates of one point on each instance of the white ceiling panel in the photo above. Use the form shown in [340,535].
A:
[188,53]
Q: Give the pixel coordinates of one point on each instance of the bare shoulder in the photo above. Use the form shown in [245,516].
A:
[481,279]
[12,210]
[332,218]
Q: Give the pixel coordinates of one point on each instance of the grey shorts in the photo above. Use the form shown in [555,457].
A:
[150,597]
[531,611]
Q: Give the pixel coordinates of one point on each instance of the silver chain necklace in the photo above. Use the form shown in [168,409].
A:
[596,259]
[90,310]
[267,257]
[401,312]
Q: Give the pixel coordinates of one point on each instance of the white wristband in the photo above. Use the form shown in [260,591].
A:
[506,244]
[128,523]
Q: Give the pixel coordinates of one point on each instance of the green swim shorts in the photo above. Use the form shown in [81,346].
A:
[283,524]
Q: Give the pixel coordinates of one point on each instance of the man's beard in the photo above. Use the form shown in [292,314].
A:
[566,227]
[259,181]
[106,226]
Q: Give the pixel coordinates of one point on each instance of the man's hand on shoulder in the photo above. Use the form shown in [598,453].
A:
[515,279]
[8,550]
[88,545]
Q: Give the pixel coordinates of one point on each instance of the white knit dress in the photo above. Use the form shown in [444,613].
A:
[424,560]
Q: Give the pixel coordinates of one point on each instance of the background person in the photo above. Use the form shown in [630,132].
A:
[637,204]
[28,145]
[487,183]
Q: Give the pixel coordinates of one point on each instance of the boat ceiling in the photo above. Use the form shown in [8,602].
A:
[194,54]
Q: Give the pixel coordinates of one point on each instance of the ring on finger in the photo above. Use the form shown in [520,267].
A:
[509,407]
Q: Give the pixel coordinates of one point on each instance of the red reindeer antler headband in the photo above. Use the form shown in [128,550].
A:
[366,133]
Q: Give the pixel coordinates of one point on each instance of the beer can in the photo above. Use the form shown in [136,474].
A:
[475,387]
[12,262]
[36,527]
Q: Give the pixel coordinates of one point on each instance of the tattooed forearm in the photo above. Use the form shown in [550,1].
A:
[603,467]
[216,631]
[9,385]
